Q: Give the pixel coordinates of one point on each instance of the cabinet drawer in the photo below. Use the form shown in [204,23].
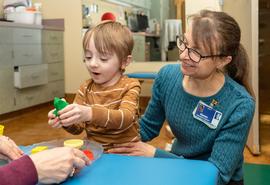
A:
[31,75]
[7,90]
[52,37]
[27,54]
[56,71]
[6,55]
[21,35]
[5,35]
[56,89]
[30,96]
[53,53]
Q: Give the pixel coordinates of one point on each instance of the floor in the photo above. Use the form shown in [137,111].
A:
[30,126]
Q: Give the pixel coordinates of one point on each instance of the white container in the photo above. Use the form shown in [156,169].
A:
[22,17]
[38,18]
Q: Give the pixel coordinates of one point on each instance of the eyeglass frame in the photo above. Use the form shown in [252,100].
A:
[193,50]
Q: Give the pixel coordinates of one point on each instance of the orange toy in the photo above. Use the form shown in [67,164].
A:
[89,154]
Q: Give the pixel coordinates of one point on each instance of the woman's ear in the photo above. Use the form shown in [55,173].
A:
[126,62]
[228,59]
[224,62]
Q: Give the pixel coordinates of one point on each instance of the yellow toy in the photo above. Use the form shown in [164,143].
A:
[74,143]
[2,130]
[38,149]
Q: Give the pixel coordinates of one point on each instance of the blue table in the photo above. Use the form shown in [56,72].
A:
[125,170]
[113,169]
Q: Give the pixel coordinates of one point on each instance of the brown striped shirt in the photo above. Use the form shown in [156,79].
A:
[115,111]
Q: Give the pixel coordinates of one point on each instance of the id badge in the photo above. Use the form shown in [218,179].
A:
[207,114]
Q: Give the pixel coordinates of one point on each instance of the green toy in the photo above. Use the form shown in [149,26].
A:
[59,105]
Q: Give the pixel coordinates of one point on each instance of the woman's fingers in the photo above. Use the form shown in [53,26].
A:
[123,148]
[137,148]
[9,149]
[18,150]
[79,154]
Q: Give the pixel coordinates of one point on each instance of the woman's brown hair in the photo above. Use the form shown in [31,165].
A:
[224,35]
[110,36]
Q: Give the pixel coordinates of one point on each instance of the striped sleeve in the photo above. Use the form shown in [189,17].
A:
[124,116]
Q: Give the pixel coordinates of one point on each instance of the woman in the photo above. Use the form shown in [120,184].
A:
[208,103]
[46,167]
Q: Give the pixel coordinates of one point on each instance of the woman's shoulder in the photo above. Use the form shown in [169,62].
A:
[170,71]
[238,91]
[170,68]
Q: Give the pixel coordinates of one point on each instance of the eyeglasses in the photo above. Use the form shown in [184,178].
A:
[194,55]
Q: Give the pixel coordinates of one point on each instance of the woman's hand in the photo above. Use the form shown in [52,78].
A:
[56,165]
[136,149]
[8,149]
[75,113]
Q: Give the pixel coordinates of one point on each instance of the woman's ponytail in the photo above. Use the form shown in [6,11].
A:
[238,69]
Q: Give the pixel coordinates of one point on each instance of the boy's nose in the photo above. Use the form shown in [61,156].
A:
[93,63]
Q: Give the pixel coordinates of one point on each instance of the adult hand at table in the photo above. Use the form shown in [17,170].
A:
[56,165]
[135,148]
[8,149]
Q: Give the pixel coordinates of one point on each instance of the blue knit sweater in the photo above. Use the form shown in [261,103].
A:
[222,146]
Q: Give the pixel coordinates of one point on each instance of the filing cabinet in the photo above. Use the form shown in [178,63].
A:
[6,71]
[31,67]
[53,54]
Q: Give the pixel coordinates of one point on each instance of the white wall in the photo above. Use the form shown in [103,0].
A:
[194,6]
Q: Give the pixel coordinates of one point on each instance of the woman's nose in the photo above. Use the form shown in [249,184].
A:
[184,54]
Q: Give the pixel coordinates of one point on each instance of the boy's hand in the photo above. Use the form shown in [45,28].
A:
[74,113]
[53,120]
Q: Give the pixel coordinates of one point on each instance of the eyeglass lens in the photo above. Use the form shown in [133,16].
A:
[193,55]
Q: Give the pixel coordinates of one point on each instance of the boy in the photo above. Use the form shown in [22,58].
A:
[106,106]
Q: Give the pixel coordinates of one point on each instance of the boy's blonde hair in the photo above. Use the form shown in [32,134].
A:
[110,37]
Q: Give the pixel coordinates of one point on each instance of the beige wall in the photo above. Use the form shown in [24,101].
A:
[192,7]
[70,10]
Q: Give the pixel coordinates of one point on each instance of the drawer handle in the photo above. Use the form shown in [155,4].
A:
[261,41]
[27,55]
[27,36]
[55,92]
[54,54]
[34,76]
[29,98]
[54,73]
[53,37]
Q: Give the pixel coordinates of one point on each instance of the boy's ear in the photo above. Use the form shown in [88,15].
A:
[126,62]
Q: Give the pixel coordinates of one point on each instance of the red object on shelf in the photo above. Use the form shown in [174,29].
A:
[89,154]
[108,16]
